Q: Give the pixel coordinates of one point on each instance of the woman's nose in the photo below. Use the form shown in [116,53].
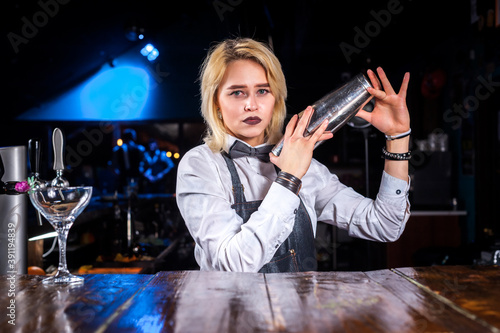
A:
[251,105]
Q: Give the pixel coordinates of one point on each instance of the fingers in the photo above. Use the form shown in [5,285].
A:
[404,85]
[376,91]
[365,115]
[374,79]
[379,94]
[291,125]
[320,134]
[385,81]
[273,159]
[297,126]
[387,87]
[304,120]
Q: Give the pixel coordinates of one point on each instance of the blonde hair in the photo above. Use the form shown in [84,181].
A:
[212,71]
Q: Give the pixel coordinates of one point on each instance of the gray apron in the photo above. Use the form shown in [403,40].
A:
[298,252]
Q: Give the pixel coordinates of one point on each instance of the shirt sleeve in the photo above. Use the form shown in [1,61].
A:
[382,219]
[223,242]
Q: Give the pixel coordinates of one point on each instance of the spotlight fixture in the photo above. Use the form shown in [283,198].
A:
[133,32]
[150,52]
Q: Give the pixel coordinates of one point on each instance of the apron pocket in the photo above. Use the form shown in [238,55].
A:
[286,262]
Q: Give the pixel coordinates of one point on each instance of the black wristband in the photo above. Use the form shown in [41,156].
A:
[289,181]
[395,156]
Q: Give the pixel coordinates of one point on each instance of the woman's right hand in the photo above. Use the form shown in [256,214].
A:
[297,152]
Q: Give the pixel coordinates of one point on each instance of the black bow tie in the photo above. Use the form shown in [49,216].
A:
[239,149]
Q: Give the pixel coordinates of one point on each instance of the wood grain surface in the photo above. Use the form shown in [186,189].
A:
[422,299]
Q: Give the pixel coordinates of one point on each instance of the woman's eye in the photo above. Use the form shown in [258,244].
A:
[262,91]
[237,93]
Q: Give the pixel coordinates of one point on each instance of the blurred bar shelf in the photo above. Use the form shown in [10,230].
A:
[430,237]
[438,212]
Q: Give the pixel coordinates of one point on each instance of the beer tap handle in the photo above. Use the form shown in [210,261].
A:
[34,152]
[34,156]
[58,166]
[58,145]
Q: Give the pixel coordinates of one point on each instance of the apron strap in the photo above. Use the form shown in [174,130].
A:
[239,196]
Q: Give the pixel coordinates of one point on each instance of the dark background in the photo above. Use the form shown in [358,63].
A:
[450,48]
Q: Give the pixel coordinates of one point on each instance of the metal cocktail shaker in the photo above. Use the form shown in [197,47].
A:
[338,106]
[13,213]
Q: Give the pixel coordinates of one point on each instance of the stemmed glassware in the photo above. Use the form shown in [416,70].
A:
[61,206]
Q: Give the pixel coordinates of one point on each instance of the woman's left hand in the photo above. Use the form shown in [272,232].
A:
[390,114]
[297,152]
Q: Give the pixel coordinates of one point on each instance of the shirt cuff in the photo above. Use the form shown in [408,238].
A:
[393,186]
[281,200]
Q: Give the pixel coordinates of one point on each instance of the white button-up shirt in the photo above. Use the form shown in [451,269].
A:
[204,196]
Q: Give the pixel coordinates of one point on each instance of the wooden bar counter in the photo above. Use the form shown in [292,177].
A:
[424,299]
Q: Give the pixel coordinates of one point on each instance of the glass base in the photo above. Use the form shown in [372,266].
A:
[63,278]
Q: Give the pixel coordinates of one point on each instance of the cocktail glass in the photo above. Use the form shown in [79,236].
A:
[61,206]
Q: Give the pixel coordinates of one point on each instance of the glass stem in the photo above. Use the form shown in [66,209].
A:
[62,237]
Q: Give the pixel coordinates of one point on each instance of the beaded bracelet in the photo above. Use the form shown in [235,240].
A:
[289,181]
[395,156]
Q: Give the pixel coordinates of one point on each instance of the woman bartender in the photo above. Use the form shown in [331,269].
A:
[251,211]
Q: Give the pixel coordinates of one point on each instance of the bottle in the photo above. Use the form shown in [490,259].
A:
[338,106]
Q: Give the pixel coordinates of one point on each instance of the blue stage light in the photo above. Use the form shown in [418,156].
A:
[147,49]
[119,93]
[153,55]
[150,52]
